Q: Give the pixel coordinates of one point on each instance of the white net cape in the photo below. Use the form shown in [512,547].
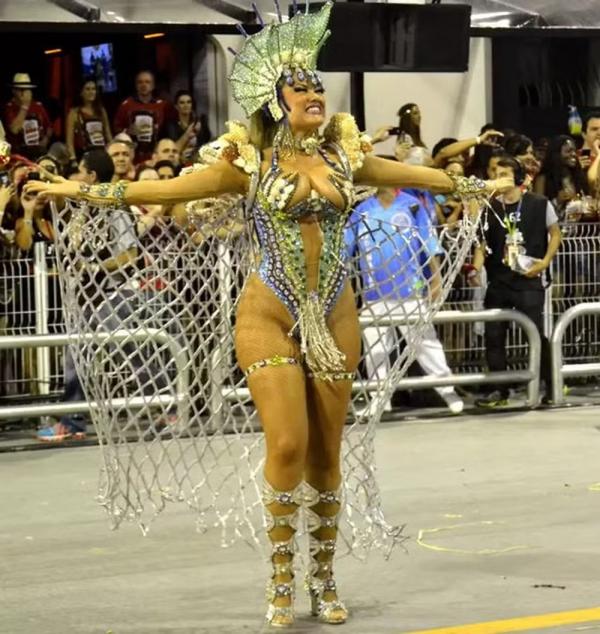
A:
[151,314]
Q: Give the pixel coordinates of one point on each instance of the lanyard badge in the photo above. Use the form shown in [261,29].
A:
[515,256]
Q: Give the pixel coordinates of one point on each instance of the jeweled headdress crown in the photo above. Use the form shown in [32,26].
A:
[277,50]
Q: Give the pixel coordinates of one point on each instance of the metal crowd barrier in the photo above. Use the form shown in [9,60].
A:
[559,369]
[136,402]
[30,304]
[529,376]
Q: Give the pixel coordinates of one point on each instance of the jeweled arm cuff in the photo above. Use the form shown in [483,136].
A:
[104,193]
[468,187]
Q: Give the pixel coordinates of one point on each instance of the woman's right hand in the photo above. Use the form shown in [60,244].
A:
[66,189]
[6,192]
[490,137]
[382,134]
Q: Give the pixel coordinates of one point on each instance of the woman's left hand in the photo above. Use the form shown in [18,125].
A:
[500,185]
[68,189]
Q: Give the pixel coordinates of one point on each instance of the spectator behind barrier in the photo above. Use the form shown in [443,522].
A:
[408,136]
[142,116]
[447,150]
[589,154]
[521,147]
[121,152]
[189,131]
[49,164]
[563,181]
[7,214]
[96,166]
[27,123]
[60,152]
[165,170]
[516,252]
[166,150]
[34,223]
[87,123]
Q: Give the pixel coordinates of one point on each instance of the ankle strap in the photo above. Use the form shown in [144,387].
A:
[317,546]
[274,521]
[313,496]
[270,495]
[314,521]
[276,590]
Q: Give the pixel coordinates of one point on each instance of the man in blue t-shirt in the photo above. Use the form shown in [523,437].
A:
[395,245]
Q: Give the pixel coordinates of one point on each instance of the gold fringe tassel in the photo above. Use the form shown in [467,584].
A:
[317,344]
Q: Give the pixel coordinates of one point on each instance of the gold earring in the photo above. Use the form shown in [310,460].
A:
[283,142]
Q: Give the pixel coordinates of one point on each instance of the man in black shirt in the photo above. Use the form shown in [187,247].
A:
[520,241]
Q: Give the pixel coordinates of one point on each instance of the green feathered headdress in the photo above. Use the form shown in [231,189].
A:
[277,50]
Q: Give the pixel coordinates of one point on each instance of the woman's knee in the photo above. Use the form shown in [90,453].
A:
[287,451]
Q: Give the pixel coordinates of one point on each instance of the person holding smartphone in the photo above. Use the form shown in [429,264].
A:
[409,143]
[591,133]
[562,180]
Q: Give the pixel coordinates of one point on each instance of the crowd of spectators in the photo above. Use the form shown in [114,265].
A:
[556,182]
[151,138]
[148,138]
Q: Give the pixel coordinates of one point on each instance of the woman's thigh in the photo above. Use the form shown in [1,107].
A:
[328,400]
[278,389]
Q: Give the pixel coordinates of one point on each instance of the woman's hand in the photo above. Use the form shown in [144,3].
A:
[50,177]
[490,137]
[6,193]
[500,185]
[382,134]
[66,189]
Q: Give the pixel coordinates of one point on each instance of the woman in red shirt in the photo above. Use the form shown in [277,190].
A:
[87,123]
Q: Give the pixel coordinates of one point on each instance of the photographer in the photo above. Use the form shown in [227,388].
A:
[34,223]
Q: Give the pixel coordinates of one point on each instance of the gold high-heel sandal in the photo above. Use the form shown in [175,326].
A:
[281,586]
[319,582]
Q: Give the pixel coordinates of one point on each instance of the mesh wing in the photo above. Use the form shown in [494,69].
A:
[151,306]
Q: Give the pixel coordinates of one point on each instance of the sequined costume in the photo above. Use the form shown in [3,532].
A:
[302,246]
[280,293]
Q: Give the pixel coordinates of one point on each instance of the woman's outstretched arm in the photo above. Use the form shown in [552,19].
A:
[379,172]
[219,178]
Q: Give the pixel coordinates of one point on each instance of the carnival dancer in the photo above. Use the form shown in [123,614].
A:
[297,331]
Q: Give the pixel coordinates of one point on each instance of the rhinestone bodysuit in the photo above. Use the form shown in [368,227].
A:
[283,267]
[281,261]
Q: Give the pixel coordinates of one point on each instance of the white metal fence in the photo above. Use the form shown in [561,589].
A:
[30,304]
[575,276]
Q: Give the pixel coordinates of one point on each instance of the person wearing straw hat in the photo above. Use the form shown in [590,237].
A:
[27,123]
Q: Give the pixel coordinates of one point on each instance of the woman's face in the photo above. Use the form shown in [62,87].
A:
[89,91]
[149,174]
[568,154]
[492,167]
[184,104]
[415,115]
[528,156]
[456,167]
[306,103]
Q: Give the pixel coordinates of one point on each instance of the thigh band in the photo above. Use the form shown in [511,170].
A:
[331,376]
[272,362]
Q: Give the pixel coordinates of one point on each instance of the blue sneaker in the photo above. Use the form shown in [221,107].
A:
[59,433]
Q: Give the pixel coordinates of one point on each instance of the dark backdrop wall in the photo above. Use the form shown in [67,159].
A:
[535,79]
